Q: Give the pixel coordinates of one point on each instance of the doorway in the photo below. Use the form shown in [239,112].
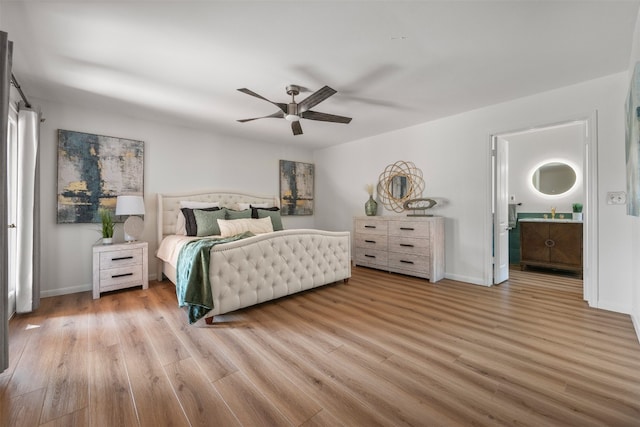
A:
[516,155]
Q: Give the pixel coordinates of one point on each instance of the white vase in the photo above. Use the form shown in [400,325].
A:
[107,240]
[577,216]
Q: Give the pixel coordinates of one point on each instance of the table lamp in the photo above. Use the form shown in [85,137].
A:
[134,225]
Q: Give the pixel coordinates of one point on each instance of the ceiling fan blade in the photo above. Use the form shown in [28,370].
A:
[324,117]
[277,114]
[296,128]
[315,98]
[280,105]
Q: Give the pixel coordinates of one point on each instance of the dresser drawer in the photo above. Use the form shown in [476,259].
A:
[371,256]
[408,245]
[409,229]
[371,241]
[409,262]
[120,258]
[120,276]
[371,226]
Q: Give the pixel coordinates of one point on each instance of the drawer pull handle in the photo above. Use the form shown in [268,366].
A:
[122,258]
[407,228]
[114,276]
[549,243]
[369,241]
[406,245]
[369,256]
[369,226]
[406,262]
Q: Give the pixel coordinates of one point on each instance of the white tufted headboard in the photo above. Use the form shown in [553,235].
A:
[169,204]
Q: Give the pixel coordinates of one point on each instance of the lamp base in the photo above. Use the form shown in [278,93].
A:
[133,227]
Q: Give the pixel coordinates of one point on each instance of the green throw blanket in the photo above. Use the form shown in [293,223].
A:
[193,287]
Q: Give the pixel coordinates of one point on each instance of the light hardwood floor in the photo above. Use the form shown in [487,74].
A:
[383,349]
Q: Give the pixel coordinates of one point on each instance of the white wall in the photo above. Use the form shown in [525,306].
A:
[176,159]
[453,154]
[530,149]
[635,232]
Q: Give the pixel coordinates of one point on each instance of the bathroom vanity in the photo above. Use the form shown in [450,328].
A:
[551,243]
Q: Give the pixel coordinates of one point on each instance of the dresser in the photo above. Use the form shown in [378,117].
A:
[120,266]
[406,245]
[553,244]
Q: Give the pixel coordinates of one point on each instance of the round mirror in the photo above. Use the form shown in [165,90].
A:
[554,178]
[399,186]
[399,182]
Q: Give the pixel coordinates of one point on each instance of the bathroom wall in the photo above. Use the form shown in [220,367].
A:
[527,151]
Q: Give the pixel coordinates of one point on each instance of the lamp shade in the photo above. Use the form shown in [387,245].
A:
[130,205]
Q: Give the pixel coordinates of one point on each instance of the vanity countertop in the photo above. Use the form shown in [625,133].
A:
[548,220]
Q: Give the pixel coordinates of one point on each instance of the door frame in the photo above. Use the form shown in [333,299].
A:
[590,180]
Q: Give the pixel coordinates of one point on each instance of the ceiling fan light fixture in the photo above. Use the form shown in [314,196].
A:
[292,117]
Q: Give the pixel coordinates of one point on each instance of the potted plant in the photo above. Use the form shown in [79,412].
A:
[577,211]
[107,226]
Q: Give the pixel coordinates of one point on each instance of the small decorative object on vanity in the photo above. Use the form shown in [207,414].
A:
[107,226]
[120,266]
[577,211]
[371,206]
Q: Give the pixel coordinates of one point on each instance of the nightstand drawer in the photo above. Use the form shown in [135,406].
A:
[119,276]
[121,258]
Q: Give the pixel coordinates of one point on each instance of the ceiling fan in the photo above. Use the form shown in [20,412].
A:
[294,111]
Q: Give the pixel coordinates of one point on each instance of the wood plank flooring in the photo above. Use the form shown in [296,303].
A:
[382,350]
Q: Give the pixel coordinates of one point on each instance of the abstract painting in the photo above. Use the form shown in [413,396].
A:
[632,144]
[296,188]
[92,171]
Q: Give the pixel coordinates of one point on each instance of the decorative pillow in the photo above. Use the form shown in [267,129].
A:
[232,227]
[243,206]
[231,214]
[207,221]
[274,214]
[191,227]
[180,222]
[254,210]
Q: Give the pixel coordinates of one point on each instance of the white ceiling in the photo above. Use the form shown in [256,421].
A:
[394,64]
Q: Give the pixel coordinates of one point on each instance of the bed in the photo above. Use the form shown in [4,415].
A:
[258,268]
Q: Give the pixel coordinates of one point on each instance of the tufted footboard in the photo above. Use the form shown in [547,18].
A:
[266,267]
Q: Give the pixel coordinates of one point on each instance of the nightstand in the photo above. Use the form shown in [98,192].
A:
[119,266]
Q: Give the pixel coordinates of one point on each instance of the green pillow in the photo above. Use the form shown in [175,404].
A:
[276,220]
[207,222]
[231,214]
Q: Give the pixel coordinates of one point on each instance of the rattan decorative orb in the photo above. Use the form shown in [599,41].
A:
[399,182]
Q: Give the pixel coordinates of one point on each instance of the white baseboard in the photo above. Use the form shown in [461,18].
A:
[65,291]
[612,306]
[635,318]
[74,289]
[466,279]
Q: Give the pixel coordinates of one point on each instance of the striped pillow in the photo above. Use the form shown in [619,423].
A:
[231,227]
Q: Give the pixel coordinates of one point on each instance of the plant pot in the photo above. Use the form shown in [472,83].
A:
[371,207]
[107,240]
[577,216]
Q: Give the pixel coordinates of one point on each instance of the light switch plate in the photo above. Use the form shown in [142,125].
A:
[616,198]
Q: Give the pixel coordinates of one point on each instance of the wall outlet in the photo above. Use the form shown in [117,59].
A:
[616,198]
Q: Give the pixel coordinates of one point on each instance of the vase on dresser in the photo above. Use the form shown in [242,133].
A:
[371,207]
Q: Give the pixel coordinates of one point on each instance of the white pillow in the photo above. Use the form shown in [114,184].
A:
[243,206]
[181,223]
[231,227]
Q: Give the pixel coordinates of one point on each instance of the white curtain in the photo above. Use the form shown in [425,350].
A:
[5,82]
[28,211]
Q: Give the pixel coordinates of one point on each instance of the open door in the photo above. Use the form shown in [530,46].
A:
[500,210]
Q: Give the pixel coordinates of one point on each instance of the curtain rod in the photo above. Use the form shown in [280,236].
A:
[15,83]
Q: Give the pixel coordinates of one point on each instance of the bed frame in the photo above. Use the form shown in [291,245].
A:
[265,267]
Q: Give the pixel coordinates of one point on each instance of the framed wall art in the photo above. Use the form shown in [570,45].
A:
[296,188]
[92,171]
[632,144]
